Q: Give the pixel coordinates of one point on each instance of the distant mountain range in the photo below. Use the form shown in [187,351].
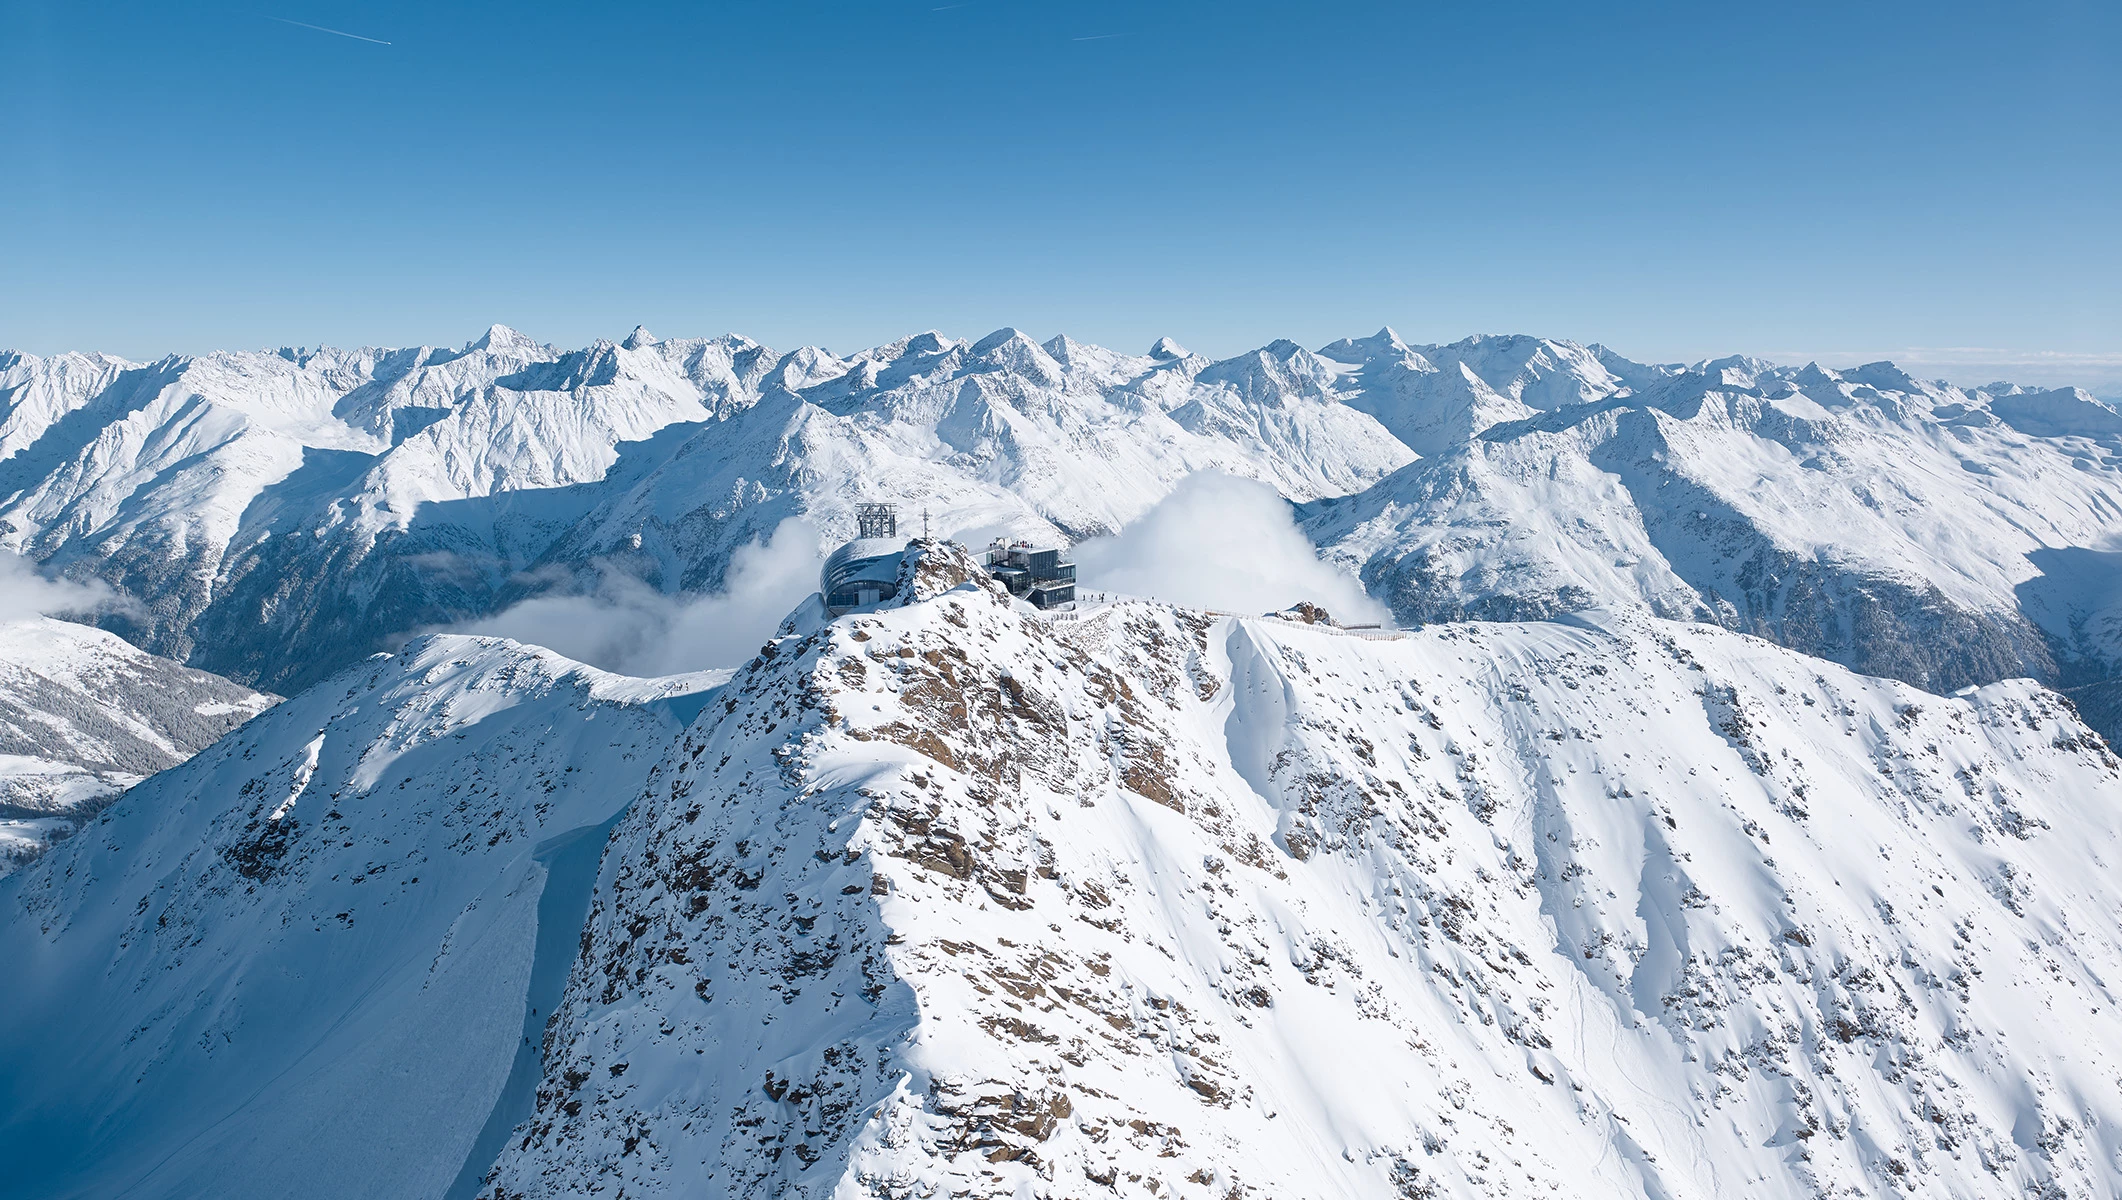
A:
[280,515]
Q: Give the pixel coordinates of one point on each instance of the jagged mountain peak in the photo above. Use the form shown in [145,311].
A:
[502,338]
[1884,375]
[639,338]
[926,344]
[1012,350]
[1276,370]
[1541,373]
[1005,336]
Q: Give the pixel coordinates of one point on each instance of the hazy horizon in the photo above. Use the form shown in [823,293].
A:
[1967,367]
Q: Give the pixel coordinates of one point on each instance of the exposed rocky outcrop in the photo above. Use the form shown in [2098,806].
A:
[951,898]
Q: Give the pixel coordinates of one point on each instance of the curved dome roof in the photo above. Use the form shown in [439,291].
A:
[865,564]
[865,558]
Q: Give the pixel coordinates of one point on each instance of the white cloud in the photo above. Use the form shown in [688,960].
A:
[1226,543]
[26,593]
[630,627]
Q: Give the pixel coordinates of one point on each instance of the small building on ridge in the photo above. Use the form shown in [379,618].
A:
[1037,573]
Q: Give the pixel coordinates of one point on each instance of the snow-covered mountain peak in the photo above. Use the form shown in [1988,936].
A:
[953,897]
[1164,349]
[1384,344]
[1278,370]
[933,566]
[500,338]
[1735,370]
[1105,368]
[1013,351]
[931,342]
[2058,412]
[928,344]
[1005,336]
[1884,376]
[639,338]
[1540,373]
[806,367]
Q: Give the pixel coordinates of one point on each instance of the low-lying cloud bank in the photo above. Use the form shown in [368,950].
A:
[1227,543]
[630,627]
[26,593]
[1217,542]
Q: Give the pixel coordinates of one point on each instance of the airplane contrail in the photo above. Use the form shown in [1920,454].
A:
[1097,37]
[321,29]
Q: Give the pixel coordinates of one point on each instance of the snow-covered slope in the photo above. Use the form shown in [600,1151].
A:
[1904,528]
[242,496]
[84,715]
[305,961]
[951,898]
[283,514]
[1437,397]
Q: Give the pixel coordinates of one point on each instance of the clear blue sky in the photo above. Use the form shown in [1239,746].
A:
[1675,180]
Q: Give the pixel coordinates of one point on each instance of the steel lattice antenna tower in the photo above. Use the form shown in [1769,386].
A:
[876,520]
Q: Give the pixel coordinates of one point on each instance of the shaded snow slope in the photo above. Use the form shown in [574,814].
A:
[300,963]
[951,898]
[84,715]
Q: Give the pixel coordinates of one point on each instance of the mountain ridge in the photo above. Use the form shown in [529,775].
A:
[284,514]
[950,897]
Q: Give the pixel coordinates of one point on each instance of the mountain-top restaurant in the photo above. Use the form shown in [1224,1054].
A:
[1033,572]
[866,571]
